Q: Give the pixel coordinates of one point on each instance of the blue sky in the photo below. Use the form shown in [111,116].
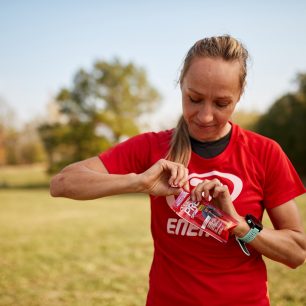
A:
[43,43]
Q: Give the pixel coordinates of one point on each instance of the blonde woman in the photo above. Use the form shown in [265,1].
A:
[245,174]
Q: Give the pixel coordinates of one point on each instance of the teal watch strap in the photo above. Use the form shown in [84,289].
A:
[255,227]
[250,235]
[243,247]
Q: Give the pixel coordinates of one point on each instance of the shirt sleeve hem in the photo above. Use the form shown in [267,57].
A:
[285,198]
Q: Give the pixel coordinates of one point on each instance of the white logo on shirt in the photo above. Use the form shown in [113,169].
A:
[183,228]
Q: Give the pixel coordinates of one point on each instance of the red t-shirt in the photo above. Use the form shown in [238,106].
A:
[189,268]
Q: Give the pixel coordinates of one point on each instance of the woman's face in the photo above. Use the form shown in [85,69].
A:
[210,92]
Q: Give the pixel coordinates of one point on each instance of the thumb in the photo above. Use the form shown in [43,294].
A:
[174,191]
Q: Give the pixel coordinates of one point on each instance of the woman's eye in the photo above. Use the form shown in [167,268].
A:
[194,100]
[222,105]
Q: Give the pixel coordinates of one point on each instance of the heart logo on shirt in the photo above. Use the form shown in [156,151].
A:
[233,182]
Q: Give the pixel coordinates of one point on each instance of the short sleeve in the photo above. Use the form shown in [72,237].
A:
[130,156]
[282,182]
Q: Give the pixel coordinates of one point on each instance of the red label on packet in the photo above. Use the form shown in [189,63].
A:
[204,216]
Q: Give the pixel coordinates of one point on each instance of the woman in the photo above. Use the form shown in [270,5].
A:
[208,155]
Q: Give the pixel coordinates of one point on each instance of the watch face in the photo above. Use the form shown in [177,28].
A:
[253,222]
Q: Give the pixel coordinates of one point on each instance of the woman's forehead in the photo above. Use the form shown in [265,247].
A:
[212,72]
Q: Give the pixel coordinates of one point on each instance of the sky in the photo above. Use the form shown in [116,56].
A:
[44,43]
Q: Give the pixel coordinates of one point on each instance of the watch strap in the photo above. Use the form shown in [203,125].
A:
[243,247]
[255,228]
[250,235]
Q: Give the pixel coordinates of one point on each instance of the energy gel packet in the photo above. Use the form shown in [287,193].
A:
[204,216]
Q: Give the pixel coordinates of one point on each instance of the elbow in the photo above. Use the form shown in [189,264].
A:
[296,264]
[299,260]
[299,257]
[57,186]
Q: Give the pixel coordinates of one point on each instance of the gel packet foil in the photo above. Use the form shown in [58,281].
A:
[204,216]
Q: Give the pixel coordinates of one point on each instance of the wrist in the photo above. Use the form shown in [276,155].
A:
[135,183]
[241,229]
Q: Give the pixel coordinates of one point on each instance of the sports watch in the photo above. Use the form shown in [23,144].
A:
[255,228]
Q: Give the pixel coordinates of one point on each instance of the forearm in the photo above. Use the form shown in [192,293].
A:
[285,246]
[89,179]
[86,184]
[282,245]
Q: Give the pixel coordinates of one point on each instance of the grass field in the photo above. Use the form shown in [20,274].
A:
[62,252]
[69,253]
[24,176]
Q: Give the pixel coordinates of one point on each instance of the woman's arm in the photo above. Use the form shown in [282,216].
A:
[286,243]
[89,179]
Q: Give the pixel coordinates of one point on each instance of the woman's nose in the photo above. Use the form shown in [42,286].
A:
[205,113]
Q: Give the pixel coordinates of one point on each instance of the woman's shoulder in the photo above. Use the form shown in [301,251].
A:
[149,143]
[257,144]
[149,137]
[253,138]
[160,137]
[156,144]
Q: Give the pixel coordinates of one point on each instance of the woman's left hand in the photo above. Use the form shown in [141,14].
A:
[220,197]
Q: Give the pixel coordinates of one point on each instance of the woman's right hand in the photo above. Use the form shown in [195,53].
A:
[165,178]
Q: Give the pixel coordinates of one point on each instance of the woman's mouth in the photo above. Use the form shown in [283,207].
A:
[204,126]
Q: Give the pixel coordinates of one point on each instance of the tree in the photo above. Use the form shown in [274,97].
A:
[7,131]
[103,106]
[28,147]
[18,145]
[246,119]
[285,122]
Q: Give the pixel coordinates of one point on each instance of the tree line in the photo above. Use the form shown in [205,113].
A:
[104,106]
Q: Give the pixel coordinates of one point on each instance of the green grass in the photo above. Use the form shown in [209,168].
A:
[68,253]
[23,176]
[63,252]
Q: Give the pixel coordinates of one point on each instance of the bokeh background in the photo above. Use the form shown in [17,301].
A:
[76,77]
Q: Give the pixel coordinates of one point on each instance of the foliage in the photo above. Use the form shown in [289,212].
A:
[6,129]
[285,122]
[103,106]
[18,146]
[246,120]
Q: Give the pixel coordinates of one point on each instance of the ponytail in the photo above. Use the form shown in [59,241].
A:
[180,147]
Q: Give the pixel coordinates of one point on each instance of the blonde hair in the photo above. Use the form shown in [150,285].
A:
[229,49]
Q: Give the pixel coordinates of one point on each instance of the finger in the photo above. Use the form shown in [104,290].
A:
[173,170]
[220,191]
[174,191]
[186,186]
[217,191]
[205,189]
[198,191]
[179,175]
[212,186]
[182,179]
[179,181]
